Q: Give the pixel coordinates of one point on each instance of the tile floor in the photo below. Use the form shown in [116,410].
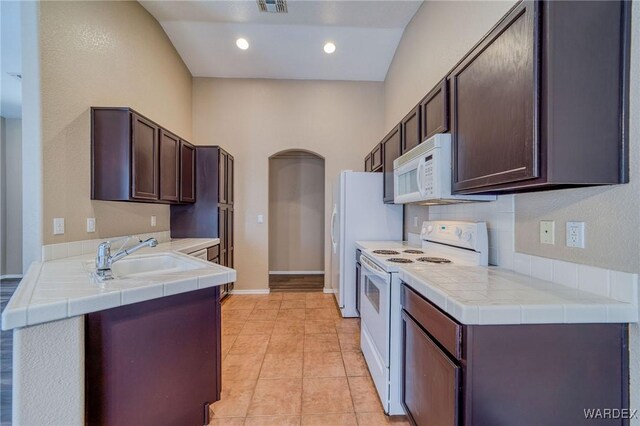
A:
[290,359]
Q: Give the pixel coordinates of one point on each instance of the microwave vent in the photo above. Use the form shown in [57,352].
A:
[272,6]
[423,148]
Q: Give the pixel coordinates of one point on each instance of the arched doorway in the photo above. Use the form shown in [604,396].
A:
[296,221]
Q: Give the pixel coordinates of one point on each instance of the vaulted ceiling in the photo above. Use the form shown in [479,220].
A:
[287,45]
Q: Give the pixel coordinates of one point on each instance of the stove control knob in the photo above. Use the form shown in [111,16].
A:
[458,232]
[429,229]
[466,236]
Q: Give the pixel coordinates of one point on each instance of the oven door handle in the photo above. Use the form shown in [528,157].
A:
[373,268]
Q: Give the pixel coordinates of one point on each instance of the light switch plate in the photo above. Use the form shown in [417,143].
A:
[575,234]
[547,232]
[415,221]
[260,218]
[91,224]
[58,226]
[154,221]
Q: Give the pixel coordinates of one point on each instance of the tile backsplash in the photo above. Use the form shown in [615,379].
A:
[77,248]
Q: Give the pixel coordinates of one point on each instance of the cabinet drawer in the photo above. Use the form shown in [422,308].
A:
[213,252]
[445,330]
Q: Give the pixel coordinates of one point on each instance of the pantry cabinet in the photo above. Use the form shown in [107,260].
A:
[391,149]
[410,130]
[540,101]
[135,159]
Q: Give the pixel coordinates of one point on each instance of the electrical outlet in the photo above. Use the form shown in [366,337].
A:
[58,226]
[91,224]
[547,232]
[154,221]
[260,218]
[575,234]
[415,221]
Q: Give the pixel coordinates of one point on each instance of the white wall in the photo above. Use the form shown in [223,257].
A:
[437,37]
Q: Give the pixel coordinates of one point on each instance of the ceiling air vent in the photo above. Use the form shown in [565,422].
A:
[272,6]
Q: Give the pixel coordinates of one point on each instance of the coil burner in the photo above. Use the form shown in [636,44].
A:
[386,252]
[399,260]
[433,260]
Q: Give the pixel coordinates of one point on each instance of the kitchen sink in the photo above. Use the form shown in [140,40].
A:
[152,264]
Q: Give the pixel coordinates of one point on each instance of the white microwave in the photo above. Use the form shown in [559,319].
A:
[423,175]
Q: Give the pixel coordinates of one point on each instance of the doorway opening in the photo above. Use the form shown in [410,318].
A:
[296,221]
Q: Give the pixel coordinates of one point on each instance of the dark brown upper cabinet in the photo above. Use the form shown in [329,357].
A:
[542,100]
[187,172]
[434,111]
[376,158]
[367,163]
[133,158]
[144,159]
[222,178]
[229,179]
[411,130]
[391,148]
[170,166]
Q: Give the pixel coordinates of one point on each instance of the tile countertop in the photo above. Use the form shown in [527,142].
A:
[491,295]
[64,288]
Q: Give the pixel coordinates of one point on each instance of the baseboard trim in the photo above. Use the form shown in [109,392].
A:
[256,291]
[329,291]
[296,272]
[11,277]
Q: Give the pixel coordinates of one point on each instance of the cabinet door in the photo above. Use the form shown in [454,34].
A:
[367,163]
[390,151]
[144,159]
[222,234]
[434,111]
[187,172]
[411,130]
[222,178]
[376,158]
[495,105]
[229,179]
[430,380]
[230,236]
[169,166]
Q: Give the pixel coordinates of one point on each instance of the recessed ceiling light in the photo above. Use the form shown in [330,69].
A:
[329,47]
[242,43]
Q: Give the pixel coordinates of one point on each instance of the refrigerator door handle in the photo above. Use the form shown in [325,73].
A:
[333,227]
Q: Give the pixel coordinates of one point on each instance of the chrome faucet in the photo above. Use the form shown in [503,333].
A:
[104,259]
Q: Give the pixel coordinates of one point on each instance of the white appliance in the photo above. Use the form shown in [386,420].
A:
[358,213]
[443,243]
[423,175]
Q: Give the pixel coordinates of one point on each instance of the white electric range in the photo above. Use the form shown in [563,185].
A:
[442,243]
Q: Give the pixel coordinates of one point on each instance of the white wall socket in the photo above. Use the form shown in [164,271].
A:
[547,232]
[58,225]
[91,224]
[575,234]
[154,221]
[260,218]
[415,221]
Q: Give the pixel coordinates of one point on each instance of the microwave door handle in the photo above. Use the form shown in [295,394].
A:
[420,173]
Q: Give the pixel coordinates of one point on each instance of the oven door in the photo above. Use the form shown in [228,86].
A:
[375,296]
[408,182]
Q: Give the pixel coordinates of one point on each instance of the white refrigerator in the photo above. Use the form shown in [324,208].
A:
[358,214]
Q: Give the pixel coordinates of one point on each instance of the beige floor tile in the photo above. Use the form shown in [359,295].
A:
[228,421]
[268,304]
[320,303]
[293,304]
[354,364]
[239,304]
[250,344]
[276,397]
[326,395]
[319,326]
[282,366]
[234,399]
[364,394]
[348,325]
[227,342]
[257,327]
[285,343]
[273,421]
[323,364]
[294,296]
[241,367]
[329,420]
[235,315]
[231,328]
[322,314]
[275,296]
[291,314]
[263,315]
[289,326]
[348,342]
[321,343]
[317,295]
[381,419]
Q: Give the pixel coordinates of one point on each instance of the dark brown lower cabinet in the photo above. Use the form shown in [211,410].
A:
[154,363]
[529,374]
